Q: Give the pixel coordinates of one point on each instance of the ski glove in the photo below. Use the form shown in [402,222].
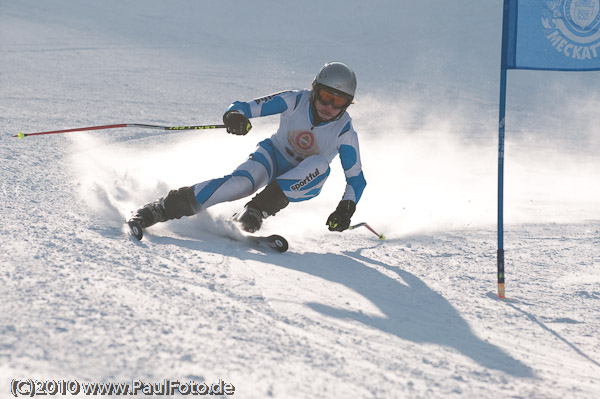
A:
[236,123]
[339,220]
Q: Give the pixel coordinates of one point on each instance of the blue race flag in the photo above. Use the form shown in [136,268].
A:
[560,35]
[551,35]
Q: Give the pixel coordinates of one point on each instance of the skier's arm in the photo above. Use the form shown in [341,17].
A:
[350,157]
[236,118]
[349,153]
[269,105]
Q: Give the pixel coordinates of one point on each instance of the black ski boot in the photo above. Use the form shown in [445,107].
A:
[177,204]
[251,218]
[267,203]
[146,216]
[150,213]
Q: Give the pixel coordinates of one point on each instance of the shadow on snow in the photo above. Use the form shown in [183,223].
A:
[413,311]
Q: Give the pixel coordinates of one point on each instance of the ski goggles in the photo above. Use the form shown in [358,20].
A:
[327,97]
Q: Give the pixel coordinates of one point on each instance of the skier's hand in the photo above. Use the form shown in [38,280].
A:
[236,123]
[339,220]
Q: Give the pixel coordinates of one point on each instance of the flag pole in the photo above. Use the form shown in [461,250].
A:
[501,126]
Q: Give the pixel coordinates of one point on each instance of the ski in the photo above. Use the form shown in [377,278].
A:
[275,242]
[135,229]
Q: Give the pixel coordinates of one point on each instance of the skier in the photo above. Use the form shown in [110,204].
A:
[293,164]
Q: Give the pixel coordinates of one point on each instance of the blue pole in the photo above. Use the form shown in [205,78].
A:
[506,27]
[501,124]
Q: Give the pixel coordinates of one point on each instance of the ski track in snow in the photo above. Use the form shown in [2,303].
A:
[338,315]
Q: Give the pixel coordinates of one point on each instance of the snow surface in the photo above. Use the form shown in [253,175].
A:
[339,315]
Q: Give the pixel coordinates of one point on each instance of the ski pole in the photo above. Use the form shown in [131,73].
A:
[381,236]
[21,135]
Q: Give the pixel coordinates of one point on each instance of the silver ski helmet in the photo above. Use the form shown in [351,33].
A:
[339,78]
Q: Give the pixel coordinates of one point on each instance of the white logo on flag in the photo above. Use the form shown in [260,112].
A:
[573,27]
[582,12]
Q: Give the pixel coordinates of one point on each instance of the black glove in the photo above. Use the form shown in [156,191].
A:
[339,220]
[236,123]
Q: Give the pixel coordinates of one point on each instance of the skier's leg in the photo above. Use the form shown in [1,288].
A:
[186,201]
[245,180]
[301,183]
[262,167]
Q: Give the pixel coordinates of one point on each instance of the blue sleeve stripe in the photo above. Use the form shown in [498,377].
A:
[276,105]
[345,129]
[348,156]
[240,106]
[297,100]
[358,184]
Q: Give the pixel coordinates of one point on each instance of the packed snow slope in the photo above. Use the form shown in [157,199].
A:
[338,315]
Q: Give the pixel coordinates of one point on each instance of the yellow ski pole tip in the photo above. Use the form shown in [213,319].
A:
[21,135]
[381,237]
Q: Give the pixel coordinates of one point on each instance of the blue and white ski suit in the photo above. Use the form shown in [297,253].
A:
[297,156]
